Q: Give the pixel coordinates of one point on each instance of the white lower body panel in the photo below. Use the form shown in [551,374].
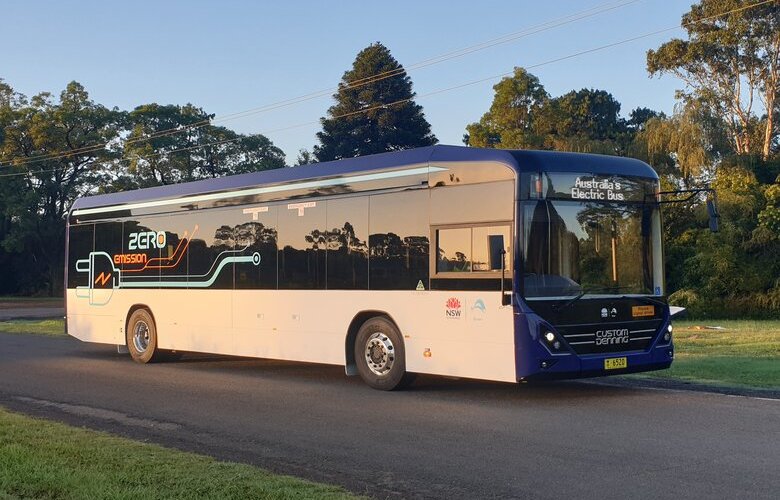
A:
[462,334]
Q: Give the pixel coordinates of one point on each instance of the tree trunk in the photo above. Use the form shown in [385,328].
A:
[768,135]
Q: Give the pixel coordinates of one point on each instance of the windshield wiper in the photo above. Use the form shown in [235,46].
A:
[586,291]
[645,299]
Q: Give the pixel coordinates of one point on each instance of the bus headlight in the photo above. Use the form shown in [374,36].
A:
[668,334]
[552,341]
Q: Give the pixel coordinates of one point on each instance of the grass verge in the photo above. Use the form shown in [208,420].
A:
[43,459]
[37,326]
[744,353]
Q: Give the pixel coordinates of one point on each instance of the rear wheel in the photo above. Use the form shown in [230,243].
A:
[141,337]
[380,355]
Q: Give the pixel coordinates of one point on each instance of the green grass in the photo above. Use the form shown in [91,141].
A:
[42,459]
[37,326]
[746,353]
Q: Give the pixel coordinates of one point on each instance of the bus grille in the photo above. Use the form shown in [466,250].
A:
[597,338]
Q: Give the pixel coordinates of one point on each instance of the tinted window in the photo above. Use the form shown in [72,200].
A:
[107,259]
[80,244]
[302,245]
[347,243]
[256,234]
[140,258]
[472,249]
[488,244]
[211,251]
[453,250]
[398,241]
[175,246]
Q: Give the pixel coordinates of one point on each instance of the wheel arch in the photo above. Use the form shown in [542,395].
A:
[133,309]
[354,326]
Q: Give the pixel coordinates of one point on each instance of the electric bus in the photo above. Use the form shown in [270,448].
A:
[502,265]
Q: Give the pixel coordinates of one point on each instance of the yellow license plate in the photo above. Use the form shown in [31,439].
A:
[615,363]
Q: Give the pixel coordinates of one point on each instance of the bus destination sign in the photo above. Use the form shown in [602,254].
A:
[598,188]
[592,189]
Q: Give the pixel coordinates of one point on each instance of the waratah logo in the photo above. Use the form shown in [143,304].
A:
[453,308]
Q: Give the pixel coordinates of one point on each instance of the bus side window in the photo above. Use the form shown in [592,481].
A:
[474,250]
[347,242]
[80,245]
[255,231]
[302,245]
[398,242]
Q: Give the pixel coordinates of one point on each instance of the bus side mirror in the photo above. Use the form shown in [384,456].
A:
[712,211]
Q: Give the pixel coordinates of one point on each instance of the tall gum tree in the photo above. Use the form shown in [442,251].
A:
[727,61]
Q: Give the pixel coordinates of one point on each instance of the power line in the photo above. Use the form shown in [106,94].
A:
[325,92]
[435,92]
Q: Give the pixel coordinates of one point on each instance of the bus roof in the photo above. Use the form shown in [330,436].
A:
[518,160]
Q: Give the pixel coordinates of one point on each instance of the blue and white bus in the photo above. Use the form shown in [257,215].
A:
[479,263]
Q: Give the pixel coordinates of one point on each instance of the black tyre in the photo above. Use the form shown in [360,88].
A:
[141,337]
[380,355]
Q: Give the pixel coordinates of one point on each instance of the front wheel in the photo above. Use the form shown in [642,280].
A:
[141,336]
[380,355]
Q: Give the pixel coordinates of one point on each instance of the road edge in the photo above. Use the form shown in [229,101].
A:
[686,385]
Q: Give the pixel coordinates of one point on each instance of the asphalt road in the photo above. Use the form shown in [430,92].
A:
[444,438]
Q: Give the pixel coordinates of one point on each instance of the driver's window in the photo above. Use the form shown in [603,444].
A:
[475,250]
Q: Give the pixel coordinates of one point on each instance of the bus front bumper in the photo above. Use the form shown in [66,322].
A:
[569,366]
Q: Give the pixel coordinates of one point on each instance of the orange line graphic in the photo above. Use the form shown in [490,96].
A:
[103,278]
[170,260]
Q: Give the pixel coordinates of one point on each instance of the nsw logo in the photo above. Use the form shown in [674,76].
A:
[453,308]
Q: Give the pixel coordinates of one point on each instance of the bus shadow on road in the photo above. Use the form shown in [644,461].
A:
[332,377]
[428,385]
[537,391]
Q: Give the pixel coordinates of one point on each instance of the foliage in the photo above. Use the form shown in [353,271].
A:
[41,129]
[198,150]
[726,62]
[510,122]
[736,271]
[373,114]
[524,116]
[684,145]
[54,150]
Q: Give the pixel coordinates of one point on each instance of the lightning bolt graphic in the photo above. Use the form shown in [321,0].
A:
[103,278]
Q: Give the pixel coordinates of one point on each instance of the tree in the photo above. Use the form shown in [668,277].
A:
[685,145]
[374,111]
[726,62]
[586,121]
[170,144]
[305,157]
[510,122]
[524,116]
[50,145]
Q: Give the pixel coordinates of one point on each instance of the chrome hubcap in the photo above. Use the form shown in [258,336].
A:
[380,353]
[141,336]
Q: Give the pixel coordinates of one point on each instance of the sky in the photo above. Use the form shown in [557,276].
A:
[231,56]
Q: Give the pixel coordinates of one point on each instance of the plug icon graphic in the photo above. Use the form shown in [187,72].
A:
[103,276]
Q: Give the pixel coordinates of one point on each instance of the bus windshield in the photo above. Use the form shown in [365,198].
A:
[583,248]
